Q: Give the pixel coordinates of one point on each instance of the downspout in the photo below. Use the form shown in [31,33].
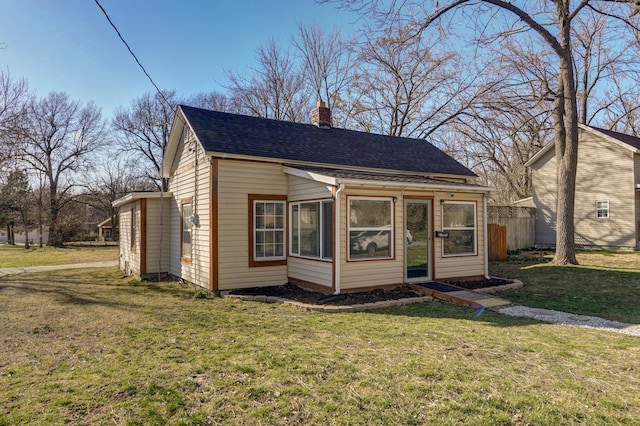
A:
[486,236]
[336,254]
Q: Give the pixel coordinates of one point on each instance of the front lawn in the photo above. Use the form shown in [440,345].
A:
[605,284]
[94,347]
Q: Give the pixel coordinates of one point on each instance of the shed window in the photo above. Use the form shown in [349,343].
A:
[370,228]
[311,229]
[459,221]
[602,209]
[133,229]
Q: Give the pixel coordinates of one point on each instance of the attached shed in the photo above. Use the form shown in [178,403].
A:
[144,234]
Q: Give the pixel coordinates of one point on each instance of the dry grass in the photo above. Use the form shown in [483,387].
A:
[17,256]
[92,347]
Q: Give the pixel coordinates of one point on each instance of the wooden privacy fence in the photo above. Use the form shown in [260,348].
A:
[497,241]
[520,225]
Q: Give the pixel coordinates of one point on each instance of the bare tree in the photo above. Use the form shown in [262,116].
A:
[409,88]
[14,98]
[56,140]
[275,89]
[142,130]
[110,181]
[329,65]
[550,23]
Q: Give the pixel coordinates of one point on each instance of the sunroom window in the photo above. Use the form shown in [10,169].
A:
[311,229]
[459,222]
[370,228]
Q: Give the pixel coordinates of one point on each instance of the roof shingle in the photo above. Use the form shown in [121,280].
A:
[282,140]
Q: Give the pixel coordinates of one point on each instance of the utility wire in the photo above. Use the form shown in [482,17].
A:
[134,56]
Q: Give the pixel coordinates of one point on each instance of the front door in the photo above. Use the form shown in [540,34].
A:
[417,242]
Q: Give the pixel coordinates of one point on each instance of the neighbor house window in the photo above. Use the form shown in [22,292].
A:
[459,222]
[370,228]
[311,229]
[602,209]
[267,230]
[185,238]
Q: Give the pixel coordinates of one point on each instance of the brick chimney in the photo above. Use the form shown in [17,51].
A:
[321,116]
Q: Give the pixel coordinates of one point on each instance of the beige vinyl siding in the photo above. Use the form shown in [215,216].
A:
[459,266]
[158,235]
[129,256]
[306,189]
[545,193]
[605,172]
[184,185]
[311,270]
[236,180]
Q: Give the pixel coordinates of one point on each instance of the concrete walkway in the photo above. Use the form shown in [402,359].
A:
[24,269]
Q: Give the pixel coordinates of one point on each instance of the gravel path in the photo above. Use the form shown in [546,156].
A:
[558,317]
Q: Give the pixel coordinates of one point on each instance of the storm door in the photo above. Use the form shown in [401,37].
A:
[417,241]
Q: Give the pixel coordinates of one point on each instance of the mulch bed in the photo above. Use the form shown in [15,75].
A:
[292,292]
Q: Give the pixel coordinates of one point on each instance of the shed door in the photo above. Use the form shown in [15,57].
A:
[417,241]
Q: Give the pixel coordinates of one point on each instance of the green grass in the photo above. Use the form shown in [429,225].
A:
[94,347]
[17,256]
[605,284]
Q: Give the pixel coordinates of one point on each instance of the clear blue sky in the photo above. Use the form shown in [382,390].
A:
[69,46]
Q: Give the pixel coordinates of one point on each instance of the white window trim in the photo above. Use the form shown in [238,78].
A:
[390,228]
[255,231]
[460,228]
[320,236]
[607,209]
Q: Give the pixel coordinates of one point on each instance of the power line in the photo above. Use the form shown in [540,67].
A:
[134,55]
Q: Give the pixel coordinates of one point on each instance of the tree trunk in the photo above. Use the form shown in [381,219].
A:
[565,117]
[56,239]
[26,229]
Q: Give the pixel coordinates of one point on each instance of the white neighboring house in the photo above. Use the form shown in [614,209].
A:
[607,200]
[260,202]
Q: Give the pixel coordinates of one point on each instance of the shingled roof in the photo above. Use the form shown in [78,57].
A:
[632,141]
[225,133]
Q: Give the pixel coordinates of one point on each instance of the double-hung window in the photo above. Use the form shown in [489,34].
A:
[370,228]
[602,209]
[312,229]
[185,236]
[267,230]
[459,222]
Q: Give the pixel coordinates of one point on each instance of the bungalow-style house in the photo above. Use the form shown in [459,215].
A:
[261,202]
[607,199]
